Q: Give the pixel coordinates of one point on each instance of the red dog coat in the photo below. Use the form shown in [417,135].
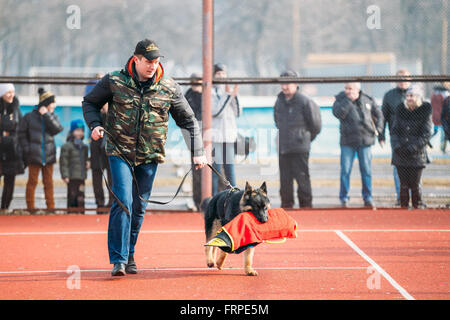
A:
[245,231]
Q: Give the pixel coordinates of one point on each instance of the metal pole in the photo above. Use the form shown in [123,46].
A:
[240,81]
[207,61]
[444,44]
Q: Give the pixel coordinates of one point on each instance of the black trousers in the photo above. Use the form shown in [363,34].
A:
[294,166]
[410,181]
[97,185]
[8,190]
[197,186]
[75,193]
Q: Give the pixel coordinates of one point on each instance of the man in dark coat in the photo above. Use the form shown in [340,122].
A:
[299,122]
[36,136]
[445,117]
[360,122]
[11,162]
[99,163]
[391,100]
[194,96]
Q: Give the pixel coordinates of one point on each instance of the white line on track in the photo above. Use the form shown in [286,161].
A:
[380,270]
[38,233]
[182,269]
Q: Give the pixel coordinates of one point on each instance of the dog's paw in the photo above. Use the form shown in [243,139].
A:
[251,272]
[220,264]
[210,264]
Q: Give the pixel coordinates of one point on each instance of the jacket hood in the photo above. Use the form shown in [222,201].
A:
[129,69]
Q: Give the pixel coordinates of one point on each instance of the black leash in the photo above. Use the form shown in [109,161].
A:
[222,178]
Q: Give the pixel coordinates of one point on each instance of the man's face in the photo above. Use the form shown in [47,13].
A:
[9,96]
[220,74]
[352,91]
[104,109]
[289,89]
[404,84]
[197,88]
[146,68]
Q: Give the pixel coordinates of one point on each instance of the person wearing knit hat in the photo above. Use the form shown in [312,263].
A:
[76,124]
[11,162]
[410,135]
[45,97]
[415,90]
[36,136]
[6,87]
[74,163]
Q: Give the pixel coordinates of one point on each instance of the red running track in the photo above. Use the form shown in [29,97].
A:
[339,254]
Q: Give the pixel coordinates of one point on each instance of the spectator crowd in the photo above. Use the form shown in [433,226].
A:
[28,141]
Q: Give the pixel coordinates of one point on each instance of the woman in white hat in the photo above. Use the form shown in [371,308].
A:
[11,162]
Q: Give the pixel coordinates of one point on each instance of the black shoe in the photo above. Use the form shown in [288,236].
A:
[131,267]
[118,269]
[369,204]
[421,205]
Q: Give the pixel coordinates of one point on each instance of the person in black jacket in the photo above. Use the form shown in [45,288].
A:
[391,100]
[299,122]
[410,136]
[445,117]
[194,96]
[99,163]
[36,136]
[11,162]
[360,121]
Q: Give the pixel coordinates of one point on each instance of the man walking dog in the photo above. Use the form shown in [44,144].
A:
[140,100]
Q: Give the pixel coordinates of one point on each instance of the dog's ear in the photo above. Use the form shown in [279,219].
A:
[263,187]
[248,188]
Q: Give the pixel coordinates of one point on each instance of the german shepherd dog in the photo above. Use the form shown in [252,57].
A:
[222,208]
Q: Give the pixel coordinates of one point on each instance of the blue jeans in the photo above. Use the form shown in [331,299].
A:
[396,182]
[223,155]
[123,228]
[365,167]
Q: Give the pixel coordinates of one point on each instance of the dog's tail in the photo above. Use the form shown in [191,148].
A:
[204,204]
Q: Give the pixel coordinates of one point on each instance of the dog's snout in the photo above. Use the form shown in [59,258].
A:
[264,216]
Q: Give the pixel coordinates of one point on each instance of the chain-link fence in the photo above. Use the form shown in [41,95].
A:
[257,41]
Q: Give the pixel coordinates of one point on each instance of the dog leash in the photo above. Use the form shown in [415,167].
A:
[116,145]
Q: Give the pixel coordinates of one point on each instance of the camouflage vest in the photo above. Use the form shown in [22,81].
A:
[138,121]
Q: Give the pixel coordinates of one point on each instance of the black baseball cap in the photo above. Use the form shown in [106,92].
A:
[148,49]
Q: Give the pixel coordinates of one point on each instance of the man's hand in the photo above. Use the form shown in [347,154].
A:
[199,162]
[97,133]
[233,92]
